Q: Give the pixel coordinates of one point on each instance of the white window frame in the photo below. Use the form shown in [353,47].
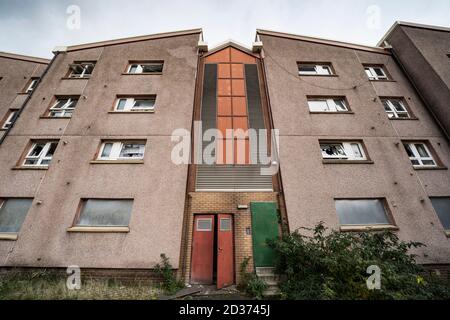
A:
[370,72]
[140,69]
[9,120]
[116,150]
[130,104]
[83,74]
[417,157]
[393,113]
[347,148]
[204,219]
[31,86]
[320,69]
[330,104]
[68,106]
[42,156]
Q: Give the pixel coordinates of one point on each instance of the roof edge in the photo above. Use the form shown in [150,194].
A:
[229,43]
[413,25]
[134,39]
[322,41]
[16,56]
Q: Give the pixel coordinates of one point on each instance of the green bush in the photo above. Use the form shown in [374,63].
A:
[250,283]
[332,265]
[170,284]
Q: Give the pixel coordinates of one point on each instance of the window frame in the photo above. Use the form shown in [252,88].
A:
[373,75]
[116,150]
[447,231]
[130,100]
[432,156]
[31,85]
[84,65]
[392,225]
[347,147]
[330,102]
[40,158]
[404,104]
[14,235]
[54,103]
[142,63]
[323,65]
[8,119]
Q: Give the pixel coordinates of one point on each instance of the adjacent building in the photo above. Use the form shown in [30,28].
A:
[280,136]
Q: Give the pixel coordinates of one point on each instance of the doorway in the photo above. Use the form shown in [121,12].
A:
[212,258]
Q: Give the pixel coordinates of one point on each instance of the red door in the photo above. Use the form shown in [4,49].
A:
[202,250]
[225,262]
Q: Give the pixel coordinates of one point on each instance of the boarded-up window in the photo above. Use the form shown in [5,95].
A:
[361,212]
[442,208]
[12,213]
[105,212]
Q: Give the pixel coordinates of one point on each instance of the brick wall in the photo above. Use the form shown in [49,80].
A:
[222,202]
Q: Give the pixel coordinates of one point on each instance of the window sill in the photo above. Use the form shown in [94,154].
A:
[382,80]
[128,112]
[99,229]
[23,93]
[331,112]
[412,118]
[142,74]
[8,236]
[319,75]
[357,228]
[336,161]
[430,168]
[48,117]
[117,162]
[29,168]
[74,78]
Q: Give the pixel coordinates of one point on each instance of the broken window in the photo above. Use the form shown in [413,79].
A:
[395,108]
[343,151]
[32,85]
[136,104]
[362,212]
[9,119]
[81,69]
[376,73]
[419,154]
[314,69]
[40,154]
[121,150]
[63,108]
[149,67]
[12,214]
[327,104]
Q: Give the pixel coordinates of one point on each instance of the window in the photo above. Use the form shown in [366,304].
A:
[442,207]
[204,224]
[395,108]
[419,154]
[9,119]
[327,104]
[145,67]
[136,104]
[40,154]
[81,69]
[31,85]
[376,73]
[118,150]
[342,150]
[105,213]
[12,214]
[362,212]
[225,224]
[63,108]
[314,69]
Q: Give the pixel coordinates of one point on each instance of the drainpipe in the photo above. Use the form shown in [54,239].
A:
[423,100]
[24,104]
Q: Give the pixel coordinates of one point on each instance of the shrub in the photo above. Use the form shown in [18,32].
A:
[170,284]
[250,283]
[332,265]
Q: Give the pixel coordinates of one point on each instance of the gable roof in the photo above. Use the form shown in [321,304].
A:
[230,43]
[322,41]
[133,39]
[410,24]
[21,57]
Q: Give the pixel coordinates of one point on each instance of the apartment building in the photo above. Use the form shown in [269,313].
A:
[19,76]
[345,134]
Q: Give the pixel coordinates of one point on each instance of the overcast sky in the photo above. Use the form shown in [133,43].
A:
[35,27]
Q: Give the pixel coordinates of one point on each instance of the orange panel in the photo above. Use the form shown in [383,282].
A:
[238,87]
[240,123]
[224,106]
[239,56]
[224,123]
[237,71]
[220,56]
[224,87]
[241,152]
[239,106]
[224,151]
[223,70]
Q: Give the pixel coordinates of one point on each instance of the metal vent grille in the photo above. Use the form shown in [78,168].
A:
[232,178]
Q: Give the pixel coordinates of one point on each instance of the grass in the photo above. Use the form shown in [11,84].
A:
[46,286]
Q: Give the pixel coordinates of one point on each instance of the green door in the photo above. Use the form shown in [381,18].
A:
[264,226]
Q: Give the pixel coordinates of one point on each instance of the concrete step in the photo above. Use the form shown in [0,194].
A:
[271,291]
[265,271]
[270,278]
